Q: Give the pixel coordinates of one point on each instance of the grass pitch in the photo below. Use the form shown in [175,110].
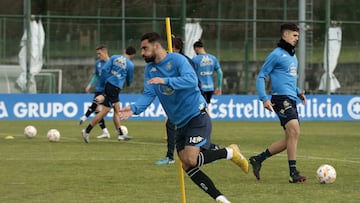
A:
[35,170]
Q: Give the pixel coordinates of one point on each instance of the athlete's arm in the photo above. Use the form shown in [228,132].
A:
[265,71]
[186,79]
[92,82]
[145,99]
[219,81]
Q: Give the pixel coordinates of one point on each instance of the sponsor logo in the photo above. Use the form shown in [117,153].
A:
[206,61]
[353,108]
[196,140]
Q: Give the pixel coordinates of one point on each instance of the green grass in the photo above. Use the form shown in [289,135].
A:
[35,170]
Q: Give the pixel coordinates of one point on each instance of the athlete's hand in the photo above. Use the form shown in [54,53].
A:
[268,105]
[156,80]
[302,97]
[87,89]
[217,91]
[125,113]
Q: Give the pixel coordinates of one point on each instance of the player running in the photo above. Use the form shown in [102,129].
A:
[281,66]
[103,56]
[117,71]
[170,77]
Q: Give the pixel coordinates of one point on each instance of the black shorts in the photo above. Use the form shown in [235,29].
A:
[207,96]
[111,95]
[97,94]
[285,108]
[196,132]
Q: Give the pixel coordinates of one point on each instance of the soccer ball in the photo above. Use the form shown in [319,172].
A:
[53,135]
[30,131]
[124,130]
[326,174]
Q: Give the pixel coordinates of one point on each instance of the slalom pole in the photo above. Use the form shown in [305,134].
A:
[181,172]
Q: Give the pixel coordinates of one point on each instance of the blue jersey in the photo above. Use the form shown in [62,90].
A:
[206,64]
[95,79]
[98,70]
[282,69]
[180,95]
[118,70]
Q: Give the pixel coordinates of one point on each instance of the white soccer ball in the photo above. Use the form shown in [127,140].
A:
[124,130]
[30,131]
[53,135]
[326,174]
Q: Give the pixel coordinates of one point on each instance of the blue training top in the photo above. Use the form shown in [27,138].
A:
[206,64]
[282,69]
[95,79]
[180,95]
[117,70]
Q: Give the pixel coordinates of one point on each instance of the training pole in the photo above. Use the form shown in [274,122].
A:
[181,172]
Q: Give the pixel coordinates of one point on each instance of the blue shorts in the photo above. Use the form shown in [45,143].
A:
[196,132]
[111,95]
[285,108]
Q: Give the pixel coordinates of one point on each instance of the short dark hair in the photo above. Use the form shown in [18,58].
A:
[102,46]
[199,44]
[130,50]
[289,26]
[178,43]
[151,37]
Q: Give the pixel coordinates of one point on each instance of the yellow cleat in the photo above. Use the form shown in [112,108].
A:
[239,159]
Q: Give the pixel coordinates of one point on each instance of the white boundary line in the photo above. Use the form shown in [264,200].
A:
[94,139]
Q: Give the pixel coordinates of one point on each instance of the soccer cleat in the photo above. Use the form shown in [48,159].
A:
[165,161]
[239,159]
[296,177]
[85,136]
[104,136]
[222,199]
[124,137]
[256,167]
[82,120]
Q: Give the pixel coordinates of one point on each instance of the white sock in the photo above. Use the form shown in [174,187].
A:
[229,154]
[105,130]
[223,199]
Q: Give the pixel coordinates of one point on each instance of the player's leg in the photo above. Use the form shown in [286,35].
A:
[276,147]
[93,122]
[170,133]
[102,124]
[193,142]
[117,124]
[292,133]
[97,100]
[105,110]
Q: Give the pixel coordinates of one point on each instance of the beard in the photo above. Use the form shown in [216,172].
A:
[149,59]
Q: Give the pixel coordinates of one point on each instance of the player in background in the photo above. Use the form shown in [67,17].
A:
[178,45]
[103,56]
[170,77]
[206,64]
[281,66]
[117,71]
